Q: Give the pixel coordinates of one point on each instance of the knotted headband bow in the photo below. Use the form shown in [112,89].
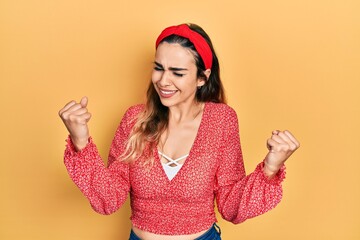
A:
[200,44]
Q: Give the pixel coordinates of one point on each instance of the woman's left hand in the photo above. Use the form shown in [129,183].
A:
[281,145]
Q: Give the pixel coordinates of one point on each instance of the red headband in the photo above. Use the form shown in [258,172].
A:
[201,46]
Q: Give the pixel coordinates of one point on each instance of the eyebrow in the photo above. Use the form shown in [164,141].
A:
[171,68]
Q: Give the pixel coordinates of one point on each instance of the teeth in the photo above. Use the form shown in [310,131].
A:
[167,92]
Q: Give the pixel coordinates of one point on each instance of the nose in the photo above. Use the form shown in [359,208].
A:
[165,79]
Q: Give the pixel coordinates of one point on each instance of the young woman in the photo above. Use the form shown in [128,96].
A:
[178,152]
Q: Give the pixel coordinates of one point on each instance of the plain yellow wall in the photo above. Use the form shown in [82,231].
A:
[285,65]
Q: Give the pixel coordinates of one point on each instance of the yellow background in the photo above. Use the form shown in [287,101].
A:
[285,65]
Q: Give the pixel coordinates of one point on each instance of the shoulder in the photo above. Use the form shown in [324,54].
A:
[134,110]
[220,110]
[131,114]
[221,116]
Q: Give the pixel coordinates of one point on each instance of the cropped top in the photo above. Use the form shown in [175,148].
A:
[214,169]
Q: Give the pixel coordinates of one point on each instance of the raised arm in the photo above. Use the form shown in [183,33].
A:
[240,197]
[105,187]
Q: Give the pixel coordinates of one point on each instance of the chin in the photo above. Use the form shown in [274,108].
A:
[167,103]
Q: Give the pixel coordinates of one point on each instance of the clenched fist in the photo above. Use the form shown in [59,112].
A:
[281,145]
[75,117]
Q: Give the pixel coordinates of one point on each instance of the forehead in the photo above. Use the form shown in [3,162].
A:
[173,54]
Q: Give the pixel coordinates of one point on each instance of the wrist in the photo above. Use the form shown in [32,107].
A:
[79,143]
[270,170]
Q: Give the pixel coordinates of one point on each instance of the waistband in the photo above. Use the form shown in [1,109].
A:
[213,233]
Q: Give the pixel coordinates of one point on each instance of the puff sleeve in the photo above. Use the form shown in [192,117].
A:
[240,197]
[106,187]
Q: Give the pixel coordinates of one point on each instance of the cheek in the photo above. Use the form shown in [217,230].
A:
[155,76]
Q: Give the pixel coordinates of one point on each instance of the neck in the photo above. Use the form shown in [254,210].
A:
[185,114]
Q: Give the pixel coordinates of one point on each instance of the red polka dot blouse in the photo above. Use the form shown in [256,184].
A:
[214,170]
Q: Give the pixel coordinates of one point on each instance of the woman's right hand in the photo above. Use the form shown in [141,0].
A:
[75,117]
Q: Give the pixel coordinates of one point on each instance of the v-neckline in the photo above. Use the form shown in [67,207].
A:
[186,162]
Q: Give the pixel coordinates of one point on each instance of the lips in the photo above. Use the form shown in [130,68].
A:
[167,93]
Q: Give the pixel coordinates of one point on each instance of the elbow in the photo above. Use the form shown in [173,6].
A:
[234,214]
[235,219]
[106,204]
[230,215]
[104,208]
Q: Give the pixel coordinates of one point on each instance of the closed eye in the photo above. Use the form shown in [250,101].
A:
[178,74]
[159,67]
[156,68]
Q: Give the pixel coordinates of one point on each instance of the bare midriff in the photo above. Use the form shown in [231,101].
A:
[144,235]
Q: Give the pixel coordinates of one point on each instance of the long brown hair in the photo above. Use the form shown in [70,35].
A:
[153,120]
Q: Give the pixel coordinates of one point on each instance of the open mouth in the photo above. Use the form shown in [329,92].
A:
[167,93]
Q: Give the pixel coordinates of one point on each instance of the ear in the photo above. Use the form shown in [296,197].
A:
[207,73]
[202,81]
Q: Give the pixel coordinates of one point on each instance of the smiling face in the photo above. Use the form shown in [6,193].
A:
[175,75]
